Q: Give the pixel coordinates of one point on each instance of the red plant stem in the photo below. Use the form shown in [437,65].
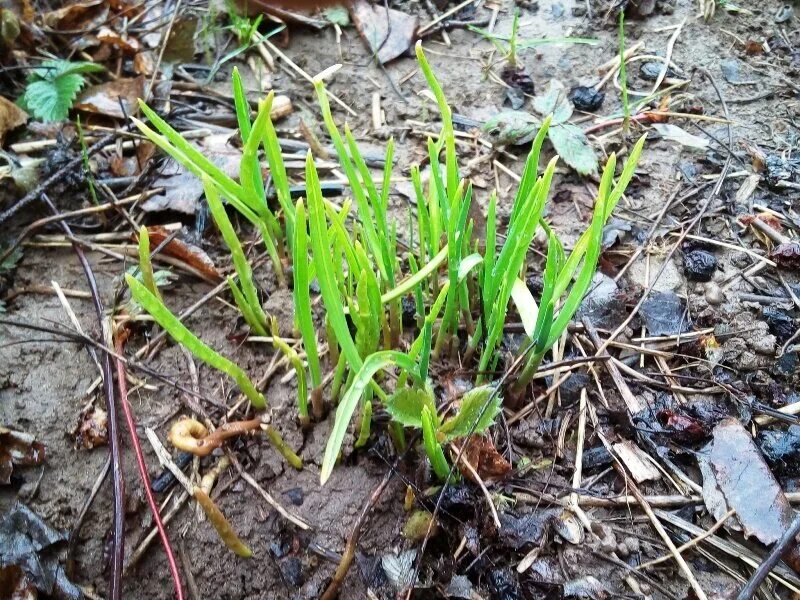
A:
[118,538]
[137,448]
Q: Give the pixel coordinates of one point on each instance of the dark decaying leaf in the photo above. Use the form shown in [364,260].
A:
[388,35]
[586,98]
[787,255]
[682,428]
[518,78]
[28,545]
[699,265]
[180,46]
[18,449]
[523,531]
[664,313]
[781,449]
[735,471]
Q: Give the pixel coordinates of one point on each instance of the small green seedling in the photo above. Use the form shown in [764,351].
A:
[415,408]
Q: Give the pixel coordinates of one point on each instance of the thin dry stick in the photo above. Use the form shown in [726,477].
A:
[577,476]
[691,543]
[682,564]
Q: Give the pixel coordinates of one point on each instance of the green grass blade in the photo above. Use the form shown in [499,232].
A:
[299,369]
[240,261]
[321,247]
[432,446]
[347,406]
[302,296]
[145,265]
[181,334]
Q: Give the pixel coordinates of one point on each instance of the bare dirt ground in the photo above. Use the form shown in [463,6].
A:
[44,380]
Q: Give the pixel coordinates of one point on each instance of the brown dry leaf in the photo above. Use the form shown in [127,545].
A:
[18,448]
[110,37]
[190,254]
[111,98]
[387,36]
[485,459]
[80,15]
[753,47]
[144,63]
[92,428]
[11,117]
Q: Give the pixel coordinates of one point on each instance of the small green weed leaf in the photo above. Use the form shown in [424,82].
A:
[512,127]
[573,147]
[405,406]
[473,414]
[555,102]
[53,86]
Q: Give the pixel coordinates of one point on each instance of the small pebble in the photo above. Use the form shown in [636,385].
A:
[714,294]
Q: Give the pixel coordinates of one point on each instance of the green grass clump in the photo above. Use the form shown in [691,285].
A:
[462,289]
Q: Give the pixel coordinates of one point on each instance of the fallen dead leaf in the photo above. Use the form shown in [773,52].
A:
[190,254]
[127,45]
[29,552]
[485,459]
[144,63]
[388,35]
[736,476]
[11,117]
[116,98]
[18,449]
[79,15]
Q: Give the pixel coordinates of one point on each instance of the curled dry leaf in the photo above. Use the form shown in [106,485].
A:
[127,45]
[144,63]
[190,254]
[18,449]
[91,430]
[11,117]
[485,459]
[78,15]
[116,98]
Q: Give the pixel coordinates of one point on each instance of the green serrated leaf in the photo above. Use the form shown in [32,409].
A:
[405,406]
[472,413]
[50,100]
[554,101]
[573,147]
